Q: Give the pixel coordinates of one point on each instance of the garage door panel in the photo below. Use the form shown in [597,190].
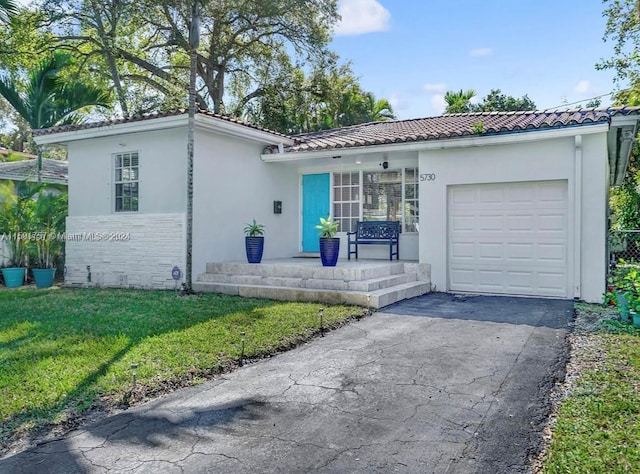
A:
[509,238]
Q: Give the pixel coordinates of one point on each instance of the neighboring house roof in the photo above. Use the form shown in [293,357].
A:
[53,171]
[143,117]
[5,152]
[451,126]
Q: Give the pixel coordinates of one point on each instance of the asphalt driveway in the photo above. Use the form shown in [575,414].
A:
[435,384]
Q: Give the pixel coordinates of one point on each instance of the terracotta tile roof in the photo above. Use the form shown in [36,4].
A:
[451,126]
[53,171]
[143,117]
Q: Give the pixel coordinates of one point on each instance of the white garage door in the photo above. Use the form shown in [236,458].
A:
[509,238]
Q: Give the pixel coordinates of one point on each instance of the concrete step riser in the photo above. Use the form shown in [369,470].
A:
[305,272]
[356,285]
[374,300]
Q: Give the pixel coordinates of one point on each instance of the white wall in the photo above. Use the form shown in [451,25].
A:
[162,159]
[124,250]
[233,187]
[548,159]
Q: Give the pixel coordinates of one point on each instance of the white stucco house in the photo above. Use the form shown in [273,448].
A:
[503,203]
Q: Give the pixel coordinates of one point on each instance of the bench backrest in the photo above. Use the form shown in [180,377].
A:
[382,230]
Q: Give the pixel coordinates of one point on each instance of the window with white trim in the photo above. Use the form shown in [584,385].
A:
[126,182]
[346,200]
[389,195]
[410,199]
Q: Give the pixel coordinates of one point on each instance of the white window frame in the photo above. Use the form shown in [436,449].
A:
[403,182]
[116,182]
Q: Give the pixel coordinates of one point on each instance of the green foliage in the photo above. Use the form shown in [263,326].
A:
[8,8]
[623,30]
[254,229]
[16,220]
[624,201]
[477,127]
[294,101]
[499,102]
[45,99]
[49,215]
[459,102]
[598,425]
[327,228]
[63,350]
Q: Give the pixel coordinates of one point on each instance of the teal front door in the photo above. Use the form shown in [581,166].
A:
[315,204]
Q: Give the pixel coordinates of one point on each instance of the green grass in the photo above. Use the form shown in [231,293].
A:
[598,426]
[65,350]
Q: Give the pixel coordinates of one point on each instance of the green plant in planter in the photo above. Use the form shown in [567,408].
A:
[327,228]
[254,229]
[254,241]
[46,246]
[329,243]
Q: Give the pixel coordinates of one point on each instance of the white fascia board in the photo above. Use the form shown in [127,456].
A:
[442,144]
[213,124]
[203,122]
[31,179]
[146,125]
[622,120]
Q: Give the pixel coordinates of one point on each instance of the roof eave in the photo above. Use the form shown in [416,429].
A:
[444,143]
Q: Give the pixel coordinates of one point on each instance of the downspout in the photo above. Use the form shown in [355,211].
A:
[577,212]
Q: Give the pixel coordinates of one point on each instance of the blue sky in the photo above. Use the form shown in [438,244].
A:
[412,51]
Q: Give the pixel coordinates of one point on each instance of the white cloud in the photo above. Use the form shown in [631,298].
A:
[481,52]
[398,102]
[361,16]
[582,87]
[441,87]
[438,103]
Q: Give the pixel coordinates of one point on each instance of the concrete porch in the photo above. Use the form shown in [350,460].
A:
[368,283]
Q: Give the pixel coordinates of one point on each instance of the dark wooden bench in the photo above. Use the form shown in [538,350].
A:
[375,232]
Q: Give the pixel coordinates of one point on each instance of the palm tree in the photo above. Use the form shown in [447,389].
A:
[46,100]
[379,110]
[459,102]
[8,8]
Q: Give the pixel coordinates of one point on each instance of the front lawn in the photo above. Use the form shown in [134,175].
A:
[598,424]
[63,351]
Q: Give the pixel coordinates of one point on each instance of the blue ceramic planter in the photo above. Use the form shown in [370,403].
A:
[44,277]
[254,247]
[329,251]
[13,277]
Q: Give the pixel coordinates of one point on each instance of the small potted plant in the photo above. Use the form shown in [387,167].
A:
[329,243]
[254,241]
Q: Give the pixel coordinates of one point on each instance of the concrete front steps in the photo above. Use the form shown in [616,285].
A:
[371,283]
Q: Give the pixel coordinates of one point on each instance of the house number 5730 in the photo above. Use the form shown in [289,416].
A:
[428,177]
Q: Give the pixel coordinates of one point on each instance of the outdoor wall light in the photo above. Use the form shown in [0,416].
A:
[385,165]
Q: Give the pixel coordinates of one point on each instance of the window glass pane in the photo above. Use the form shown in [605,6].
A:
[411,200]
[126,182]
[346,200]
[382,196]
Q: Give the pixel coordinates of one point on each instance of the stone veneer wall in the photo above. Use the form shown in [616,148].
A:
[125,250]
